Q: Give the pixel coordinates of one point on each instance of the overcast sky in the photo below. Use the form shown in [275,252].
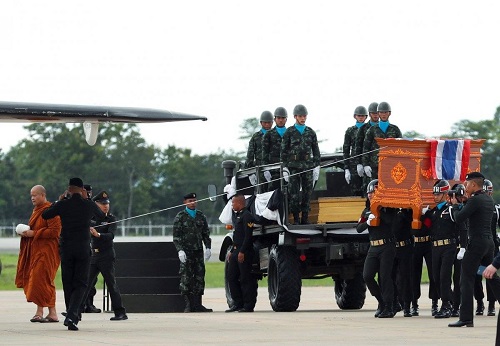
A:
[435,62]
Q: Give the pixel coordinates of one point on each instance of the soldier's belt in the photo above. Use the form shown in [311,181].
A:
[442,242]
[422,239]
[379,242]
[95,250]
[402,243]
[300,157]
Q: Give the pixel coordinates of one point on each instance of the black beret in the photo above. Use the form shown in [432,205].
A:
[474,175]
[76,182]
[102,197]
[87,187]
[190,195]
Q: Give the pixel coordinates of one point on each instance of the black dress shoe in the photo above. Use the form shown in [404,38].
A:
[92,310]
[70,324]
[119,317]
[64,313]
[245,310]
[461,324]
[233,309]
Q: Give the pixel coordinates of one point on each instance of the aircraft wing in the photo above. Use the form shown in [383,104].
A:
[20,112]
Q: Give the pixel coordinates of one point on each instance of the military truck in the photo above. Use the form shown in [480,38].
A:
[327,247]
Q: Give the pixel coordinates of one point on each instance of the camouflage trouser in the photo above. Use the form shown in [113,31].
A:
[356,184]
[275,183]
[366,180]
[193,273]
[299,201]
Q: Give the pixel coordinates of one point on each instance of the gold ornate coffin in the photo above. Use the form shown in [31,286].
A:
[405,176]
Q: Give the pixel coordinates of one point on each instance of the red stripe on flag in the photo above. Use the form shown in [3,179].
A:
[434,144]
[465,159]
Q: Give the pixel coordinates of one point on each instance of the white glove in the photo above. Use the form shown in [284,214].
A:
[316,173]
[182,256]
[268,176]
[347,176]
[208,253]
[425,210]
[370,218]
[460,253]
[368,171]
[253,179]
[22,228]
[286,174]
[360,169]
[229,190]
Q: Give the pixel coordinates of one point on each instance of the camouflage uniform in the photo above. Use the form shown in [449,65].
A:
[189,235]
[271,153]
[358,150]
[349,148]
[300,153]
[370,144]
[254,152]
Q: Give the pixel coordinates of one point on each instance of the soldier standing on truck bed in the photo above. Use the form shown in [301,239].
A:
[348,148]
[360,138]
[254,151]
[380,257]
[271,147]
[300,154]
[381,130]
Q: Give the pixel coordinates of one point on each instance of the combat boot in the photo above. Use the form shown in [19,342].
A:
[455,311]
[188,300]
[198,307]
[434,307]
[445,311]
[396,306]
[414,308]
[380,307]
[305,218]
[491,309]
[407,310]
[480,308]
[387,312]
[296,219]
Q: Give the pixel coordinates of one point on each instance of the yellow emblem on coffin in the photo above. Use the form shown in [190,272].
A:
[399,173]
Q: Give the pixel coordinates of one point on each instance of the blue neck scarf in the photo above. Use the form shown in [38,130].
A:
[263,131]
[383,125]
[372,123]
[441,205]
[358,125]
[281,130]
[300,128]
[191,212]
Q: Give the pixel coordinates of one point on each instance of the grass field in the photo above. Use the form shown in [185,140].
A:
[214,275]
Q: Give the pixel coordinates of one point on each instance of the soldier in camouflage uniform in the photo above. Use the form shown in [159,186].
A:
[190,233]
[254,152]
[381,130]
[355,181]
[300,154]
[271,147]
[358,148]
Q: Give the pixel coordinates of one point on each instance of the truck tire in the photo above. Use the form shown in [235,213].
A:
[229,298]
[284,278]
[350,294]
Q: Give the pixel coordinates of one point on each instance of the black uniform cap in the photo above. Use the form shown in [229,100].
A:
[87,187]
[102,197]
[190,195]
[76,182]
[474,175]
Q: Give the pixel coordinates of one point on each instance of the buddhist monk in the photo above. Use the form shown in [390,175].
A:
[39,258]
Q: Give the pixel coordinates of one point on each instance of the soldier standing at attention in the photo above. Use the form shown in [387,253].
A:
[254,152]
[190,232]
[360,138]
[271,147]
[381,130]
[349,146]
[380,257]
[300,154]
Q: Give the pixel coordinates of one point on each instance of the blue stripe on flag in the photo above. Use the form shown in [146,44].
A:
[449,159]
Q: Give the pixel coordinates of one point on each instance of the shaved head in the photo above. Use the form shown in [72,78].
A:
[38,195]
[39,189]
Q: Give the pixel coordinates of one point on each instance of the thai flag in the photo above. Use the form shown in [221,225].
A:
[450,158]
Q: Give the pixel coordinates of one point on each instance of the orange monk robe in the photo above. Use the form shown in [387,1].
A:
[39,259]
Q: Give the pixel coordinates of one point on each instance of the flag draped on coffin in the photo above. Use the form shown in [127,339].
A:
[450,158]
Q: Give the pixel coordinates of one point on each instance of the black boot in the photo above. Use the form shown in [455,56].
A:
[445,311]
[407,310]
[305,218]
[455,310]
[414,308]
[396,306]
[388,311]
[188,300]
[198,307]
[491,309]
[296,219]
[480,308]
[380,307]
[434,307]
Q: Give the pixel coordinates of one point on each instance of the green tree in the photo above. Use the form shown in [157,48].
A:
[248,127]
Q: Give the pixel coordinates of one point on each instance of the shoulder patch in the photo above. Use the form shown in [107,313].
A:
[250,224]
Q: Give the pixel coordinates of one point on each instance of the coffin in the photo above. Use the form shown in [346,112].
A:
[405,177]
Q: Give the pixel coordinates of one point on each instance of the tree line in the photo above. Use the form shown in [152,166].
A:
[142,178]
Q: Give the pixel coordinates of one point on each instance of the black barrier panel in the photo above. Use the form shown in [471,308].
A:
[147,267]
[145,250]
[149,285]
[144,303]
